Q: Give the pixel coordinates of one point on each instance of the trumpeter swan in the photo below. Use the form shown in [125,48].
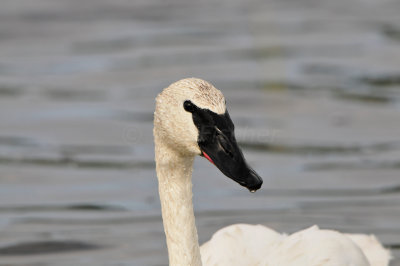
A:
[191,119]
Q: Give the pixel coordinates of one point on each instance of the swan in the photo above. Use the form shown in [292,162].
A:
[191,119]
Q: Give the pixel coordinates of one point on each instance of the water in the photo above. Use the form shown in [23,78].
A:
[313,88]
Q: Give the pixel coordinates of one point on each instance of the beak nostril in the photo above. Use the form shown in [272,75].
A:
[224,143]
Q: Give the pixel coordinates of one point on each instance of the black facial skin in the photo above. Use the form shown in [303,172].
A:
[217,140]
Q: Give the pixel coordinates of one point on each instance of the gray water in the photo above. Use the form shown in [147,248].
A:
[312,86]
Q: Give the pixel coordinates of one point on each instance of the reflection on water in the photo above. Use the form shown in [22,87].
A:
[38,248]
[318,150]
[314,98]
[383,80]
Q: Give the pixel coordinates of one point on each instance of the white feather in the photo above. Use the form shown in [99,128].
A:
[244,244]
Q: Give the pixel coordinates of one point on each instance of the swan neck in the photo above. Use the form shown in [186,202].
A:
[174,172]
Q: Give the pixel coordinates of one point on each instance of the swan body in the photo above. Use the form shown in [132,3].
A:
[243,244]
[191,119]
[376,254]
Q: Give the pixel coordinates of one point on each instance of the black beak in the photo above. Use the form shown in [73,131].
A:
[218,144]
[225,154]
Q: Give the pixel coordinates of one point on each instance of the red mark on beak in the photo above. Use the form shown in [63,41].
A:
[208,157]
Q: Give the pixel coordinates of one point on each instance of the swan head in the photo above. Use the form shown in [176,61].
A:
[191,118]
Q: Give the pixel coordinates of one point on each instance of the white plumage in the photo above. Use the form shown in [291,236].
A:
[243,244]
[176,145]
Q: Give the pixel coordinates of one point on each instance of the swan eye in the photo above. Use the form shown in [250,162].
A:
[188,106]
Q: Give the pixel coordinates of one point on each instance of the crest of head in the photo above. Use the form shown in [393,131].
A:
[175,125]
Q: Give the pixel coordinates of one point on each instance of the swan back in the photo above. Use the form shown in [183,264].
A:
[244,244]
[376,254]
[315,247]
[238,244]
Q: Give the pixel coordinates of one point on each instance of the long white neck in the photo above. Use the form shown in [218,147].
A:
[174,173]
